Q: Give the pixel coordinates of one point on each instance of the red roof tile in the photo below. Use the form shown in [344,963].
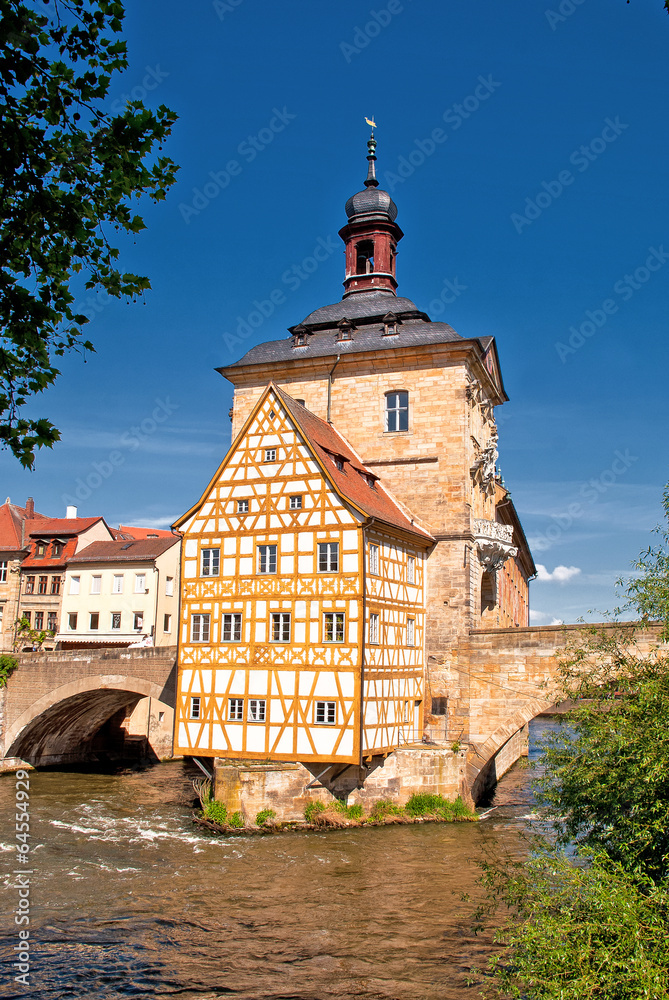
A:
[128,531]
[377,502]
[11,519]
[50,526]
[121,550]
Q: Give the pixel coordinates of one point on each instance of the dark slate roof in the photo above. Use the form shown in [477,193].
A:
[353,482]
[371,201]
[365,307]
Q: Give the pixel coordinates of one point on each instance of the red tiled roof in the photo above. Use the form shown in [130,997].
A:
[128,531]
[121,550]
[11,518]
[376,502]
[50,526]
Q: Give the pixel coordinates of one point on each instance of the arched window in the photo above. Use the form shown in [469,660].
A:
[488,592]
[397,411]
[364,252]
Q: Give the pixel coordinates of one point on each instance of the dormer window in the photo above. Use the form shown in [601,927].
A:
[300,336]
[40,549]
[390,325]
[345,330]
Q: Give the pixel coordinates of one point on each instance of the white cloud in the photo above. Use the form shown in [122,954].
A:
[541,618]
[561,574]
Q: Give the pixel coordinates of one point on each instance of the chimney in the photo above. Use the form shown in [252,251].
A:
[30,507]
[71,512]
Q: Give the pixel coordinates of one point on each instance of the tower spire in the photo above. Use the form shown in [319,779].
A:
[371,157]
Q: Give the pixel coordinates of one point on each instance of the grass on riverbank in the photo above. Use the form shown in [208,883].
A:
[421,808]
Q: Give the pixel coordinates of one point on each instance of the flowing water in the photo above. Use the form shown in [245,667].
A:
[130,899]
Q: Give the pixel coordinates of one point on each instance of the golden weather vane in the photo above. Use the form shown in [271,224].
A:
[370,121]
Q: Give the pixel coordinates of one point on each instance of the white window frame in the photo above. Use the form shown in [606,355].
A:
[257,710]
[270,455]
[265,558]
[295,501]
[117,583]
[328,557]
[410,632]
[140,583]
[200,628]
[195,707]
[96,584]
[373,631]
[328,712]
[70,626]
[373,559]
[411,569]
[242,506]
[75,585]
[232,624]
[169,586]
[210,562]
[3,571]
[395,410]
[138,621]
[337,626]
[116,614]
[49,615]
[235,709]
[280,626]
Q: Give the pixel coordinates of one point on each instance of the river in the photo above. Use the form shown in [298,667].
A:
[129,899]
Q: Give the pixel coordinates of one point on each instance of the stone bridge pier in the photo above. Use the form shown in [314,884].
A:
[84,705]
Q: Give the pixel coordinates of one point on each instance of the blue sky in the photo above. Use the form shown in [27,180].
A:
[543,201]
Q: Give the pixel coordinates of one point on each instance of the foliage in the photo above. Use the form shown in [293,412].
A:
[313,810]
[263,816]
[383,808]
[23,633]
[8,665]
[215,811]
[579,931]
[426,804]
[648,592]
[68,173]
[236,820]
[351,812]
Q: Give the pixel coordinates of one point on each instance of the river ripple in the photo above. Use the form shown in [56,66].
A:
[129,899]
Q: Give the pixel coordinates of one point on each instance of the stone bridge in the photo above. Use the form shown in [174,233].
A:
[80,705]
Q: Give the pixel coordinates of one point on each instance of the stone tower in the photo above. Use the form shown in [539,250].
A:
[417,401]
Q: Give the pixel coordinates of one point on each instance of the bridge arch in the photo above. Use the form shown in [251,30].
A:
[61,726]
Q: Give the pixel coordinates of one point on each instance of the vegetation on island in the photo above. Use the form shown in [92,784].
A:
[69,172]
[587,913]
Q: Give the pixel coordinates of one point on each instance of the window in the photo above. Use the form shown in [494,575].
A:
[411,631]
[333,626]
[406,711]
[242,506]
[270,454]
[138,621]
[411,569]
[72,621]
[96,584]
[167,623]
[117,584]
[40,549]
[195,707]
[236,709]
[374,559]
[140,583]
[30,585]
[199,628]
[232,628]
[3,571]
[75,583]
[56,549]
[95,621]
[210,562]
[116,620]
[364,257]
[296,502]
[26,615]
[326,712]
[397,411]
[374,628]
[39,621]
[52,621]
[339,462]
[169,586]
[55,585]
[2,612]
[42,585]
[267,558]
[280,627]
[256,710]
[328,557]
